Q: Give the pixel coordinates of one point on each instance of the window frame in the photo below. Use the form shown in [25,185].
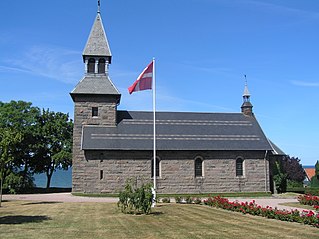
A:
[199,171]
[101,174]
[95,112]
[240,167]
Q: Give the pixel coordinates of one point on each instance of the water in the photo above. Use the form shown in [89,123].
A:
[60,179]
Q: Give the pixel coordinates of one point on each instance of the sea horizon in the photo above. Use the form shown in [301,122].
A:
[60,179]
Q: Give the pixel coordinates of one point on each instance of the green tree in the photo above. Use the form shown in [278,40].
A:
[54,143]
[21,116]
[280,176]
[8,141]
[315,179]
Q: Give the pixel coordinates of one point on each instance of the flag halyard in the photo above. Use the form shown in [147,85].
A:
[144,80]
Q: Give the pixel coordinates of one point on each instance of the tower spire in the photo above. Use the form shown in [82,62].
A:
[246,94]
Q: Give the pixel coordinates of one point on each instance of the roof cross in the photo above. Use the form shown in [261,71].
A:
[98,6]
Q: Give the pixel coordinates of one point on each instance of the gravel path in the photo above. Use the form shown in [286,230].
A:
[58,197]
[68,197]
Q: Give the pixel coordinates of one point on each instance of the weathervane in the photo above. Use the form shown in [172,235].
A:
[99,6]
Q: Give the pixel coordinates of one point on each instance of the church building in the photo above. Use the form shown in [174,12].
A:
[196,152]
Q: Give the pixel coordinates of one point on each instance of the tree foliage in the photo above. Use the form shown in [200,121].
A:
[315,179]
[21,116]
[8,139]
[293,169]
[45,142]
[54,143]
[280,176]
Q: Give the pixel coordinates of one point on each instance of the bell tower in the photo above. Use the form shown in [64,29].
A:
[95,97]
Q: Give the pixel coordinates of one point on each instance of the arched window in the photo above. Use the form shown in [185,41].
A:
[101,68]
[198,167]
[158,160]
[239,166]
[91,65]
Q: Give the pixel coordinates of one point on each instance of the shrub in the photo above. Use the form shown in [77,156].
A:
[166,200]
[188,200]
[308,200]
[197,200]
[312,190]
[135,199]
[178,199]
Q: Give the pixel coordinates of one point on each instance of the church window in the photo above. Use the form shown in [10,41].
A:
[91,65]
[198,167]
[95,111]
[101,174]
[158,161]
[239,167]
[101,67]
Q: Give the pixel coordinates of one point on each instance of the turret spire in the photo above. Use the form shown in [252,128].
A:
[246,94]
[247,107]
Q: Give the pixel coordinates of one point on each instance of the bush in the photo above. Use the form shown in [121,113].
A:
[137,200]
[309,200]
[313,191]
[294,184]
[178,199]
[188,200]
[300,190]
[314,182]
[197,200]
[166,200]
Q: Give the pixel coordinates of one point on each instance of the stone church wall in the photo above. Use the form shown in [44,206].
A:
[107,171]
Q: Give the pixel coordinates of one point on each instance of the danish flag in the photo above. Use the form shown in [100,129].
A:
[144,80]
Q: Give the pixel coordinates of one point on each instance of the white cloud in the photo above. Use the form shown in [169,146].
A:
[47,61]
[305,83]
[283,9]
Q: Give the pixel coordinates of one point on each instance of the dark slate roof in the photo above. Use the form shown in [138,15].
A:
[96,84]
[177,131]
[97,44]
[275,149]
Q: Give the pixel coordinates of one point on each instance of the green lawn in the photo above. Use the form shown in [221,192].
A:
[103,220]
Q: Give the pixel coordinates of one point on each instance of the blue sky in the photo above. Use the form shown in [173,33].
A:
[202,49]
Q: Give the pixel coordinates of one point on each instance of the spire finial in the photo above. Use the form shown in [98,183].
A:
[98,6]
[246,91]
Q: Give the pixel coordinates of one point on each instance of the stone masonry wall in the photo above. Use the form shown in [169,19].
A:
[107,171]
[83,116]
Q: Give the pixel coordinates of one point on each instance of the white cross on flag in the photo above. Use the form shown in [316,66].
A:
[144,81]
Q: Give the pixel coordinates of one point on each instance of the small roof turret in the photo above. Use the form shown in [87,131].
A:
[246,107]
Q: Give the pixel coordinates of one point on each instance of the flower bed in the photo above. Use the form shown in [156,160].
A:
[309,200]
[306,217]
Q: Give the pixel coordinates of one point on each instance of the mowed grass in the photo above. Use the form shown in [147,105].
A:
[21,219]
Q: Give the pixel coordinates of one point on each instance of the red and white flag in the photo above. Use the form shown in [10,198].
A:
[144,80]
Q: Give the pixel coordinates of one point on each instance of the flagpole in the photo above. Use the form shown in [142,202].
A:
[154,133]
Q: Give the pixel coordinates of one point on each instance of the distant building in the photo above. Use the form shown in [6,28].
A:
[310,172]
[196,152]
